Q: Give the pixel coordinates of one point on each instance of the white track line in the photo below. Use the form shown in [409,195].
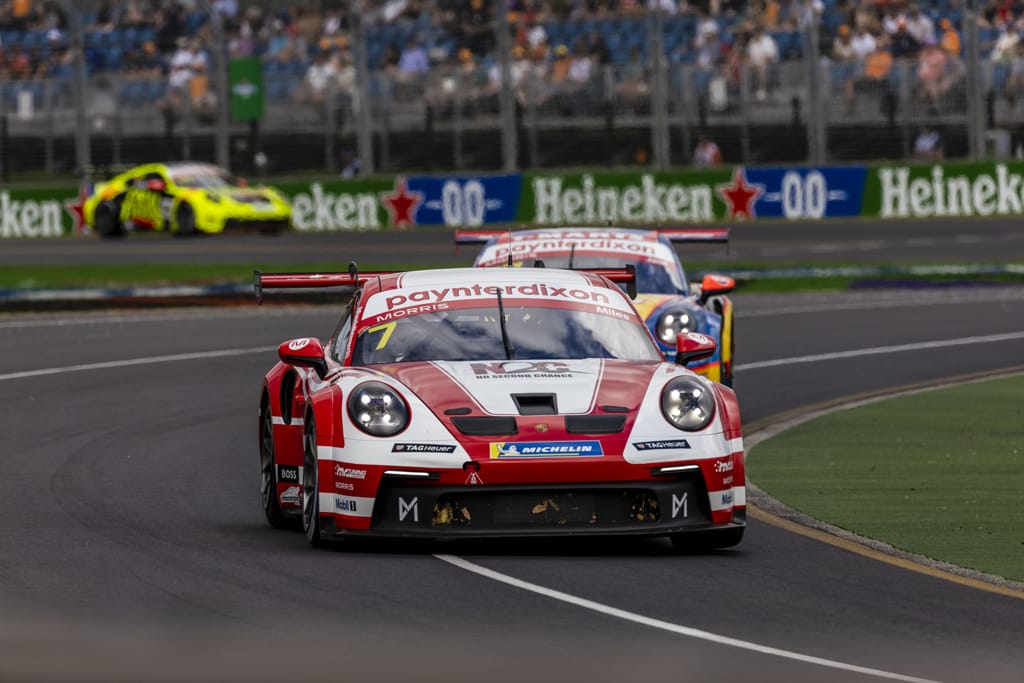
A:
[670,627]
[881,350]
[200,355]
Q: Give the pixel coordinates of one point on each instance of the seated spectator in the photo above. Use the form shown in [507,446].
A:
[1015,80]
[872,78]
[413,62]
[902,43]
[920,26]
[1005,48]
[318,80]
[633,87]
[930,71]
[928,145]
[762,53]
[581,66]
[950,39]
[864,43]
[843,50]
[706,153]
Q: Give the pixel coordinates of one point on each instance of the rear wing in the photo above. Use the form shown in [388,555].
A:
[626,274]
[476,236]
[676,235]
[673,234]
[353,278]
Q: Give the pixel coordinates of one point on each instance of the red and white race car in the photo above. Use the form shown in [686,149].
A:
[467,403]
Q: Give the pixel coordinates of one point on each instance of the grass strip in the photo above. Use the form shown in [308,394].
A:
[122,275]
[939,474]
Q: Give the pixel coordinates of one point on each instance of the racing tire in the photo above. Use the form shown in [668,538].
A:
[727,375]
[185,219]
[310,486]
[705,541]
[268,472]
[106,221]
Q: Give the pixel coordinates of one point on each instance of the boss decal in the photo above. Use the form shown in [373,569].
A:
[661,445]
[422,448]
[287,473]
[545,449]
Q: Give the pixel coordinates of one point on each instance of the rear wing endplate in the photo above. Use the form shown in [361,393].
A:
[353,278]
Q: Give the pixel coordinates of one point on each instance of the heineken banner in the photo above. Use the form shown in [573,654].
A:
[688,197]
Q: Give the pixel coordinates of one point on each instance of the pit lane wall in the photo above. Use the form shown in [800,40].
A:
[681,197]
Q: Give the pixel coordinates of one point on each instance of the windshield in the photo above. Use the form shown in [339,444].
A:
[651,277]
[204,180]
[476,334]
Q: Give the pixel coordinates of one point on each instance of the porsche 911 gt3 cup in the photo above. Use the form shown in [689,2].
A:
[469,403]
[668,303]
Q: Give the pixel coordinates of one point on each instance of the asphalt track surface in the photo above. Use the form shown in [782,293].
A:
[134,547]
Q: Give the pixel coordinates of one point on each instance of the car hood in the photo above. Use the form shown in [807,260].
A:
[528,387]
[647,304]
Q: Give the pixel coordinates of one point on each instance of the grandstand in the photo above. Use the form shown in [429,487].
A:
[609,71]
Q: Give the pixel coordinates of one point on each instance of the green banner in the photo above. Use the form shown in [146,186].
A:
[337,205]
[948,189]
[38,213]
[245,76]
[622,198]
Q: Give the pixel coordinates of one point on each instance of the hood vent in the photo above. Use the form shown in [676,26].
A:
[594,424]
[536,404]
[485,425]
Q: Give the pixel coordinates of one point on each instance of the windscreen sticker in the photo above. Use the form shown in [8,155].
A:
[398,303]
[634,247]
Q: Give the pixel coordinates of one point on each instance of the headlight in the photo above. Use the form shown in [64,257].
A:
[377,410]
[672,322]
[688,403]
[213,197]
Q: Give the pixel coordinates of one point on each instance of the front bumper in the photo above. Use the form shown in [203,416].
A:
[645,508]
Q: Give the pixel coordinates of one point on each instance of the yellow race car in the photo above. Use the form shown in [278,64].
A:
[185,199]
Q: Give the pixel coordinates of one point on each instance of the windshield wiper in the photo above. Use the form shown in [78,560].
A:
[572,254]
[510,353]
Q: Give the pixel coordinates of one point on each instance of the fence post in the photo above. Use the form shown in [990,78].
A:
[975,117]
[361,99]
[659,99]
[506,97]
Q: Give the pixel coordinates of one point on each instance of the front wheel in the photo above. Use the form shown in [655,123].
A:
[107,221]
[310,486]
[696,542]
[268,471]
[186,220]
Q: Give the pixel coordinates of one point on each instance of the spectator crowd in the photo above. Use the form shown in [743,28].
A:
[444,51]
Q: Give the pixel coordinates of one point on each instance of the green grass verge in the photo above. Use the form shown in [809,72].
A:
[113,275]
[940,473]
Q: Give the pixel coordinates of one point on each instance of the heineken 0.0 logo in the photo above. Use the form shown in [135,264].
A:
[558,202]
[29,217]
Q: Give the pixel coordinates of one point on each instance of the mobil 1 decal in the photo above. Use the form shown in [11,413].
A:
[807,192]
[466,201]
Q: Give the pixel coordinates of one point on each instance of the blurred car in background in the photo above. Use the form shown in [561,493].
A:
[668,303]
[184,199]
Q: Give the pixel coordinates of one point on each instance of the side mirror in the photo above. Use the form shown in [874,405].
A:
[713,285]
[155,185]
[305,352]
[693,346]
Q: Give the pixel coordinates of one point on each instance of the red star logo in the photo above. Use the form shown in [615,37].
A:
[402,204]
[740,196]
[76,207]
